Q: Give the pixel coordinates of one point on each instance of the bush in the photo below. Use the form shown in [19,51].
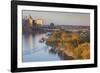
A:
[77,43]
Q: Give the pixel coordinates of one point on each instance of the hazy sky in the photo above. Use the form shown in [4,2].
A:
[60,18]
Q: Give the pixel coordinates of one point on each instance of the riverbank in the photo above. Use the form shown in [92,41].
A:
[71,44]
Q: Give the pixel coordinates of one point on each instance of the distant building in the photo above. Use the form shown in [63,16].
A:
[30,21]
[39,21]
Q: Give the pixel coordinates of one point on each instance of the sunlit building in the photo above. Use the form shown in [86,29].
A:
[30,21]
[39,21]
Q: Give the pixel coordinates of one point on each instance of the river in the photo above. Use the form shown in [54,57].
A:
[34,51]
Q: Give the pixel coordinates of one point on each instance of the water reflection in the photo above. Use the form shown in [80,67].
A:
[31,42]
[33,50]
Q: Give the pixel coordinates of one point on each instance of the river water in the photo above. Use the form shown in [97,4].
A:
[33,50]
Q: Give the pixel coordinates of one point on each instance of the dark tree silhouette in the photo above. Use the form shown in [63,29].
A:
[52,24]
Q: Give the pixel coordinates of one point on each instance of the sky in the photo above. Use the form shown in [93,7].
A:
[59,18]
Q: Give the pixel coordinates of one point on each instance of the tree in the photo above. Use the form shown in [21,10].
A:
[52,24]
[75,38]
